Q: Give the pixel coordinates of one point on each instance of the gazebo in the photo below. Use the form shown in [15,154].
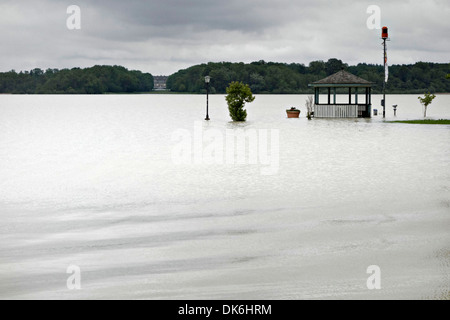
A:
[359,107]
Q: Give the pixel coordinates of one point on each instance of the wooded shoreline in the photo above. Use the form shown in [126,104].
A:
[262,77]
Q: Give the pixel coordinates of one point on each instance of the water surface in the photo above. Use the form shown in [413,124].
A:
[91,181]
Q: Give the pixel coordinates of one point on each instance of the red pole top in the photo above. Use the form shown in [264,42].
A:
[384,33]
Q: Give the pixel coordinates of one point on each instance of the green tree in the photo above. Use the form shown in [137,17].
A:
[426,101]
[334,65]
[237,95]
[257,82]
[317,68]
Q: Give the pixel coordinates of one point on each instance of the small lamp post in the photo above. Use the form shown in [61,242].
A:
[207,80]
[395,109]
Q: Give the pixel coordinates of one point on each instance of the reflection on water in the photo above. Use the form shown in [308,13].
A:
[90,181]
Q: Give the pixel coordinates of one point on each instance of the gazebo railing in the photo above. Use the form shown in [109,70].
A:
[338,110]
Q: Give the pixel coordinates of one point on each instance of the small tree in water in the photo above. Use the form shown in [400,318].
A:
[237,95]
[426,101]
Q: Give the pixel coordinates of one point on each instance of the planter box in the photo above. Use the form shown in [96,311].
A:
[293,113]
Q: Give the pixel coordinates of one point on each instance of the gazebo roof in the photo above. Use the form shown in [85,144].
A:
[342,79]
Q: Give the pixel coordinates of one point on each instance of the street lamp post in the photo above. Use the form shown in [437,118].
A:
[385,37]
[207,80]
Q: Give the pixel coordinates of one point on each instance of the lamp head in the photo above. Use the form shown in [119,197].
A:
[384,33]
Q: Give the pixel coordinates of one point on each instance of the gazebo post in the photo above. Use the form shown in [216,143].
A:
[334,95]
[350,95]
[356,95]
[329,95]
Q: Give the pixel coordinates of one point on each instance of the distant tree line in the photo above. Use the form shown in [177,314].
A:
[95,80]
[272,77]
[261,76]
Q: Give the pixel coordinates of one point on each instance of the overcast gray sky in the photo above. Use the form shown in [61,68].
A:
[163,36]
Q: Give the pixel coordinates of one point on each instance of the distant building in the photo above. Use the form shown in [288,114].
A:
[160,82]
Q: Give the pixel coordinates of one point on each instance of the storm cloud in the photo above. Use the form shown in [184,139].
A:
[162,37]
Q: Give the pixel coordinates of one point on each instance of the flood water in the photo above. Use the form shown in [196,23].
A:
[95,182]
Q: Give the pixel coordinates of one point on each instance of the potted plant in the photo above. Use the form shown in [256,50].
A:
[293,112]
